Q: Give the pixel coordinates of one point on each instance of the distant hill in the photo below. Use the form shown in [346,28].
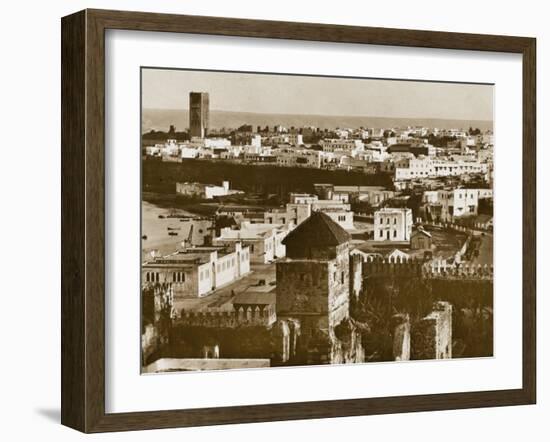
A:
[161,119]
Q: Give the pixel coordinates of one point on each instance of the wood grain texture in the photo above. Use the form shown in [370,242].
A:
[83,219]
[73,213]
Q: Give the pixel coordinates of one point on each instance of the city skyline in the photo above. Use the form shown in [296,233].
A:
[296,94]
[292,239]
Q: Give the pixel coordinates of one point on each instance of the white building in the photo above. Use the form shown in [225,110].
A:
[153,151]
[292,157]
[393,224]
[374,195]
[301,206]
[189,152]
[263,240]
[292,139]
[197,271]
[210,143]
[256,141]
[457,168]
[170,148]
[336,144]
[413,168]
[425,167]
[445,205]
[205,191]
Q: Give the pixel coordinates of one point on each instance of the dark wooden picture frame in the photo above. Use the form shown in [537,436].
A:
[83,220]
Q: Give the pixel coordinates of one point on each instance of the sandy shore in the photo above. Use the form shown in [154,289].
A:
[156,229]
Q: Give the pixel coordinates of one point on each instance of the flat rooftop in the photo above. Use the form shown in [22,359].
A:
[190,256]
[360,189]
[250,231]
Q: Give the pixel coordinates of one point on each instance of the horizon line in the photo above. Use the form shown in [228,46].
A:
[321,115]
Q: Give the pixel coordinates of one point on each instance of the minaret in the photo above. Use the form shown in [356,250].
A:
[199,114]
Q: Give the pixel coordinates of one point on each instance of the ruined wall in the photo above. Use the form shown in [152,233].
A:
[278,342]
[346,343]
[401,335]
[286,333]
[318,344]
[432,335]
[233,342]
[339,288]
[149,342]
[355,276]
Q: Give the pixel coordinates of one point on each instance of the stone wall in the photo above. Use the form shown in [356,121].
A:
[432,335]
[401,334]
[355,276]
[302,287]
[414,267]
[250,318]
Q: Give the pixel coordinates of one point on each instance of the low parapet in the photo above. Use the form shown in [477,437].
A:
[241,315]
[412,266]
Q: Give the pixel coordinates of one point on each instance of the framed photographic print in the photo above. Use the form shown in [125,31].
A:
[267,221]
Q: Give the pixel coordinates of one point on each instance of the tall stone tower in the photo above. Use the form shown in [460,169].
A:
[313,287]
[199,114]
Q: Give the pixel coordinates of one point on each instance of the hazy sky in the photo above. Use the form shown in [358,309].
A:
[289,94]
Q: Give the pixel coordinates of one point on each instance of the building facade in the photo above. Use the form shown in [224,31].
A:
[204,191]
[301,206]
[197,271]
[263,240]
[445,205]
[333,145]
[393,224]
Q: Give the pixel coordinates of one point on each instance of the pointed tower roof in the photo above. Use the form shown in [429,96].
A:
[317,231]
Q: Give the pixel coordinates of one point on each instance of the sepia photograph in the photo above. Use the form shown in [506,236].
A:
[302,220]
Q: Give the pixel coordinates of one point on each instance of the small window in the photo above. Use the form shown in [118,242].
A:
[395,233]
[342,277]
